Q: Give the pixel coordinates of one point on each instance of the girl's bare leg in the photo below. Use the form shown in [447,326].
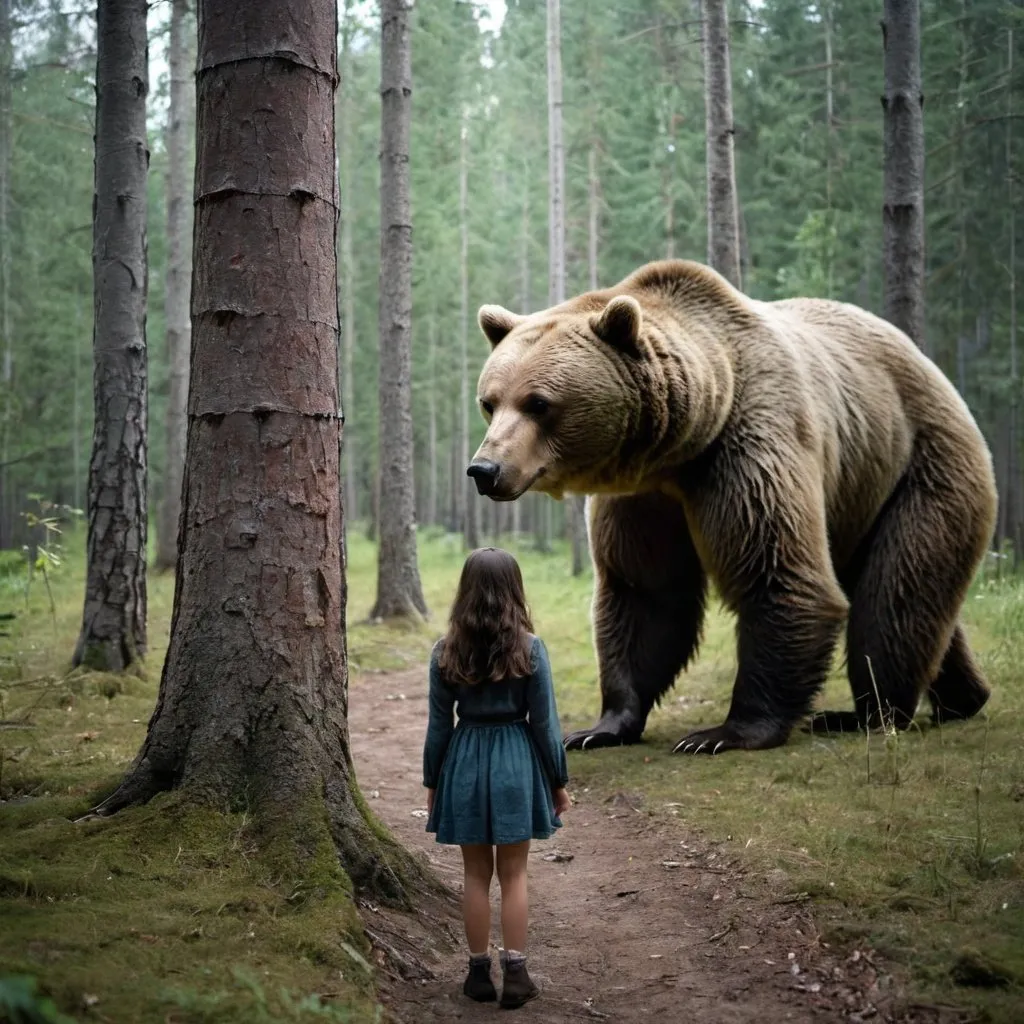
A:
[514,909]
[478,865]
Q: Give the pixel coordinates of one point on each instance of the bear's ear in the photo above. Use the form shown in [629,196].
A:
[496,322]
[619,324]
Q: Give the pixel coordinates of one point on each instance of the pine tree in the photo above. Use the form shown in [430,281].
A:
[903,209]
[253,698]
[399,593]
[113,632]
[180,128]
[723,212]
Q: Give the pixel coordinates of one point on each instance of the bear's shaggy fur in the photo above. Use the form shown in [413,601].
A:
[804,455]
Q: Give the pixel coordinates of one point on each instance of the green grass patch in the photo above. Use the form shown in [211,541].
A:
[912,843]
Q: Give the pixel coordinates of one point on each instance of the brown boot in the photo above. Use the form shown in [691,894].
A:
[518,987]
[478,984]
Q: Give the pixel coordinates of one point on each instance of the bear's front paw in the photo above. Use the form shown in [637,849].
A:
[733,736]
[831,723]
[611,731]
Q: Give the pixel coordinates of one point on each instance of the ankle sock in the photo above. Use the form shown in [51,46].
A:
[512,957]
[479,958]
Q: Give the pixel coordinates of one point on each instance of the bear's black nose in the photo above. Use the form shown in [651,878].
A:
[485,474]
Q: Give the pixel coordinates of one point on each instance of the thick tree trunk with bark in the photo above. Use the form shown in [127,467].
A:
[181,121]
[470,522]
[903,203]
[253,700]
[399,592]
[723,209]
[114,618]
[350,465]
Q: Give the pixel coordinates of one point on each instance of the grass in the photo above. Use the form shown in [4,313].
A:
[911,843]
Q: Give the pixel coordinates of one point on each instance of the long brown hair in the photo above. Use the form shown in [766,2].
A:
[488,636]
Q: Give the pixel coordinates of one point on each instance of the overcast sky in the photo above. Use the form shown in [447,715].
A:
[492,14]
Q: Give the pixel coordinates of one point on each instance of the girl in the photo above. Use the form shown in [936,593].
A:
[497,779]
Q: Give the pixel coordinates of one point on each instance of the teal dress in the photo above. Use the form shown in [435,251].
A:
[494,772]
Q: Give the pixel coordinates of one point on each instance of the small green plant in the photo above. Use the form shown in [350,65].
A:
[257,1005]
[22,1003]
[48,555]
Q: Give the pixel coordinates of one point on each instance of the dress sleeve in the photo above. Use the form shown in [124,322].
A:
[440,724]
[543,714]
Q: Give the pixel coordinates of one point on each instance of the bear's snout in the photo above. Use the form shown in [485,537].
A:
[485,475]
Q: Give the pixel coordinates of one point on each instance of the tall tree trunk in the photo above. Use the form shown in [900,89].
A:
[903,208]
[1014,481]
[432,441]
[470,519]
[556,158]
[524,242]
[76,409]
[253,700]
[723,210]
[350,463]
[593,214]
[114,617]
[6,338]
[180,122]
[456,492]
[829,145]
[961,201]
[399,593]
[556,216]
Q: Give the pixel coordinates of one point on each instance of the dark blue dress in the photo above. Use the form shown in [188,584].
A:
[495,771]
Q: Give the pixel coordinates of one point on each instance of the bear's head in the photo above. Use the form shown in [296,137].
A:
[561,394]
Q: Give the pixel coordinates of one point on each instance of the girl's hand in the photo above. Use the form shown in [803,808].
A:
[430,800]
[562,801]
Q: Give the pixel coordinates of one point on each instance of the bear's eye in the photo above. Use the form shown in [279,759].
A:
[536,406]
[487,407]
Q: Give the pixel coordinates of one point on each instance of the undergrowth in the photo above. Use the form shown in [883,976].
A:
[911,843]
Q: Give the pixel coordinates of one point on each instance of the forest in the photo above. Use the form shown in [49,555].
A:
[227,730]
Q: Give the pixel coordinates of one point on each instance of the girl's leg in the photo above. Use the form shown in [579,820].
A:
[512,878]
[478,864]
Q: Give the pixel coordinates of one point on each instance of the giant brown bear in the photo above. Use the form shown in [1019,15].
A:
[804,455]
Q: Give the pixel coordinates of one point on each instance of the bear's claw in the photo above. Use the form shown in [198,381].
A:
[732,737]
[604,734]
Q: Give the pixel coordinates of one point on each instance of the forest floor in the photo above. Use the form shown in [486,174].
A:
[632,918]
[859,877]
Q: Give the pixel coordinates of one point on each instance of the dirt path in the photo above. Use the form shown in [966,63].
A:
[642,923]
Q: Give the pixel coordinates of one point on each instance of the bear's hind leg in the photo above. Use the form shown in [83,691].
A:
[959,690]
[648,610]
[903,638]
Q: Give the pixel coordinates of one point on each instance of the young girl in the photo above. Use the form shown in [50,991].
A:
[497,779]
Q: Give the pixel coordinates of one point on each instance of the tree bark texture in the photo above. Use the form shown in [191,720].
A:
[903,203]
[399,592]
[253,700]
[114,617]
[723,209]
[180,130]
[471,519]
[350,463]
